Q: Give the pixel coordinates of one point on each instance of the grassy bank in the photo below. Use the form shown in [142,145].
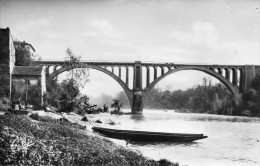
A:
[52,142]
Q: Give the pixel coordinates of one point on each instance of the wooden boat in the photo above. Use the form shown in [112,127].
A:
[146,136]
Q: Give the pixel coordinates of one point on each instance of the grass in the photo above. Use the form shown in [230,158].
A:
[54,142]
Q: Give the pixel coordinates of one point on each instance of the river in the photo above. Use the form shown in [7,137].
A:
[231,140]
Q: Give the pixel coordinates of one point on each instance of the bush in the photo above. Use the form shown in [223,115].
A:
[164,162]
[43,118]
[5,104]
[111,122]
[61,121]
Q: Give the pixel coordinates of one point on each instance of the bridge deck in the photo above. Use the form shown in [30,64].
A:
[128,63]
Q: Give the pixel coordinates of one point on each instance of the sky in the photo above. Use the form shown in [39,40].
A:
[188,31]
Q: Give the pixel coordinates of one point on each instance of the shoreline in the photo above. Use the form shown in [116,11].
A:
[58,130]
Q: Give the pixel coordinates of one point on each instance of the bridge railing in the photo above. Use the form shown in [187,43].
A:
[142,62]
[59,60]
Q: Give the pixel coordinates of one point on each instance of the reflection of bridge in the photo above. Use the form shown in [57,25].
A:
[237,78]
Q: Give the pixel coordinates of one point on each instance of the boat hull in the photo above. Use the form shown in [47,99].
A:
[145,136]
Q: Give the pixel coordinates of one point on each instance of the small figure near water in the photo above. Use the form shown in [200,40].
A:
[105,108]
[116,107]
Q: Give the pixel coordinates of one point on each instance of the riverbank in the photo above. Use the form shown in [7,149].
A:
[50,141]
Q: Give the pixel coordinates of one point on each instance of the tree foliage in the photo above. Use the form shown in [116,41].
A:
[201,98]
[22,54]
[78,74]
[116,105]
[252,99]
[66,95]
[83,104]
[121,96]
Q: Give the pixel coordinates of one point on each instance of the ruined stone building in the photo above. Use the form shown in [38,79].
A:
[18,81]
[23,53]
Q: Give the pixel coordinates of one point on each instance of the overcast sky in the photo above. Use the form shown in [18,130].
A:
[189,31]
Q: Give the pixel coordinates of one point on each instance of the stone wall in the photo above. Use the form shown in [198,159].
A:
[5,75]
[7,58]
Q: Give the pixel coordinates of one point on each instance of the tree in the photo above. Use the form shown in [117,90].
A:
[123,98]
[200,98]
[256,83]
[252,97]
[66,95]
[23,56]
[205,80]
[76,73]
[216,103]
[116,105]
[52,96]
[83,104]
[33,97]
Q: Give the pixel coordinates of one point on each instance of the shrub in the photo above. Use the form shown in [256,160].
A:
[43,118]
[164,162]
[111,122]
[5,104]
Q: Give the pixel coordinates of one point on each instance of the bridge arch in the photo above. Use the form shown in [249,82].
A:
[233,89]
[104,70]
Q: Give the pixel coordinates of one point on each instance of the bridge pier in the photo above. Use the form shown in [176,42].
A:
[137,104]
[137,92]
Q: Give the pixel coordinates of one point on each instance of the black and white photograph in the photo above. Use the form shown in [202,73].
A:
[130,82]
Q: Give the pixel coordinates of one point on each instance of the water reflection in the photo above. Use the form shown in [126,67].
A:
[162,115]
[221,118]
[231,140]
[137,118]
[163,144]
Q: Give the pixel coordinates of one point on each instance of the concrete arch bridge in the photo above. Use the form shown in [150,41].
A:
[144,76]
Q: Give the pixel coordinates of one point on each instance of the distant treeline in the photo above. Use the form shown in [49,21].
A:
[251,99]
[201,99]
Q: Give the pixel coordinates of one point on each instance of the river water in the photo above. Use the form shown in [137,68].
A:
[231,140]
